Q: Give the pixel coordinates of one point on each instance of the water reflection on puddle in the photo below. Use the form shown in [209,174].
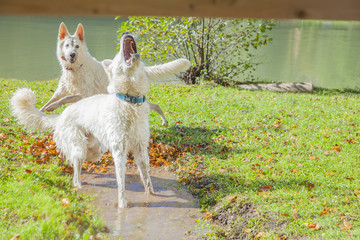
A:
[169,214]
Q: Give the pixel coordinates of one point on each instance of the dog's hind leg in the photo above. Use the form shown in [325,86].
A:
[156,108]
[142,161]
[77,158]
[72,144]
[120,158]
[94,149]
[77,172]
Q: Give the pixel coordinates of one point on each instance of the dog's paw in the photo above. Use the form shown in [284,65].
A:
[150,190]
[77,184]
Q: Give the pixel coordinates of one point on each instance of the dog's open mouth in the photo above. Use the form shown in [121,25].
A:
[129,48]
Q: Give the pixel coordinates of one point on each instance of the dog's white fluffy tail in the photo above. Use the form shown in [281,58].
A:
[23,108]
[167,69]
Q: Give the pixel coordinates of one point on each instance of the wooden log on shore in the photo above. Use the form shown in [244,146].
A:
[279,87]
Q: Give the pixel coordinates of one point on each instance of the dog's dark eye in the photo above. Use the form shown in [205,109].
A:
[67,45]
[76,46]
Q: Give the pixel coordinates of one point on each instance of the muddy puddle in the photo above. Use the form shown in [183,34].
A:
[169,214]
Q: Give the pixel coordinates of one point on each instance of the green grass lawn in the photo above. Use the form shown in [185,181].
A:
[37,201]
[263,165]
[267,164]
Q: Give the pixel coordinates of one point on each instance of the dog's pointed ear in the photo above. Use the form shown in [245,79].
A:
[63,32]
[80,32]
[106,64]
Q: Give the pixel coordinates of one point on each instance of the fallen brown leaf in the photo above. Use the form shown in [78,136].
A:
[346,226]
[247,230]
[260,235]
[65,202]
[326,211]
[327,153]
[312,226]
[233,199]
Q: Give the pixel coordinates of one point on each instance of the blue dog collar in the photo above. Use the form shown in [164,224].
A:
[131,99]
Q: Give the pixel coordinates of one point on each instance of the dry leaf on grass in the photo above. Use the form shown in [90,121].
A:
[312,226]
[65,202]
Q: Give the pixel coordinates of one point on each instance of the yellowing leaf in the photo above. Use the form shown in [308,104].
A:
[233,199]
[3,136]
[327,153]
[208,215]
[312,226]
[346,226]
[336,148]
[65,202]
[260,235]
[264,188]
[326,211]
[247,230]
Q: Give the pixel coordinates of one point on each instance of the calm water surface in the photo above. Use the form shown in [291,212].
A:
[325,53]
[28,44]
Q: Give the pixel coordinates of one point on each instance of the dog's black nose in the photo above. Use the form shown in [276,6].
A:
[125,33]
[73,55]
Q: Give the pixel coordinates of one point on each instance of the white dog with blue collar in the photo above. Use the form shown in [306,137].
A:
[117,121]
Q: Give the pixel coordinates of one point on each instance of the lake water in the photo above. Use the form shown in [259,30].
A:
[325,53]
[28,44]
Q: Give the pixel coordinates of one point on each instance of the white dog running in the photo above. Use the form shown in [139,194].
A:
[117,121]
[83,76]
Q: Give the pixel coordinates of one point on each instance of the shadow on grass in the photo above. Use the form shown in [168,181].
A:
[199,141]
[212,186]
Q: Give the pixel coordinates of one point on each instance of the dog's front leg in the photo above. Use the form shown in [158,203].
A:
[59,93]
[142,161]
[63,101]
[120,170]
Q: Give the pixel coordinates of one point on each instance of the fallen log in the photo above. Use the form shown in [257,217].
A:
[279,87]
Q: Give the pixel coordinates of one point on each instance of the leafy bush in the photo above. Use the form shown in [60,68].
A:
[219,49]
